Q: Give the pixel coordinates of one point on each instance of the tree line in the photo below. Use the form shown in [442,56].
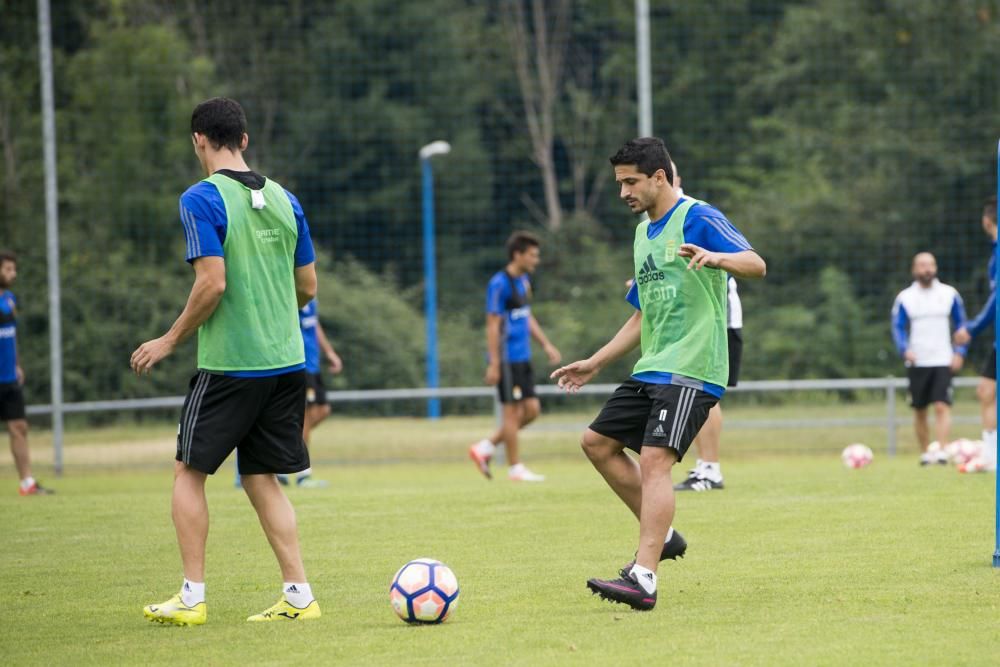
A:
[841,138]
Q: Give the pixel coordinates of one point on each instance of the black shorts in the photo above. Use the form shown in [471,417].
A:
[989,369]
[517,382]
[735,355]
[261,418]
[315,389]
[929,384]
[657,415]
[11,402]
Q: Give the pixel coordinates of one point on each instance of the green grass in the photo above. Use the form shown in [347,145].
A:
[799,561]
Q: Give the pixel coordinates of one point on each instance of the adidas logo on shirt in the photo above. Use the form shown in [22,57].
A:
[649,272]
[659,432]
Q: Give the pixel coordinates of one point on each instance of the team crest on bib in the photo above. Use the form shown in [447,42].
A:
[671,252]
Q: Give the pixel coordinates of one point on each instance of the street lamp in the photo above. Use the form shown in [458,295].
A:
[430,271]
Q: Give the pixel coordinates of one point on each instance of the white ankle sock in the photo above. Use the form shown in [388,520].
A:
[989,452]
[27,482]
[304,473]
[646,578]
[486,447]
[298,595]
[711,470]
[192,592]
[670,533]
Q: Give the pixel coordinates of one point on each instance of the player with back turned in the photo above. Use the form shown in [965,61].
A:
[681,261]
[248,241]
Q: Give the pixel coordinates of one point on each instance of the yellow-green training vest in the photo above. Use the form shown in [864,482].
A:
[256,325]
[683,312]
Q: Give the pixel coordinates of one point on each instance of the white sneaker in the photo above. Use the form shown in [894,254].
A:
[520,473]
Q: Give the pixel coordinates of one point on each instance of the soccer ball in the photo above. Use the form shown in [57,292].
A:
[856,456]
[965,450]
[424,591]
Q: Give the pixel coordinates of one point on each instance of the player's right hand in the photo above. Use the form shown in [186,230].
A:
[573,376]
[910,357]
[492,376]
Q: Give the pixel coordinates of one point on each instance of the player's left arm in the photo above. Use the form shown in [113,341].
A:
[206,293]
[536,332]
[714,242]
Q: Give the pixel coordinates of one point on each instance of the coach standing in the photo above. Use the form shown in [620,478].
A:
[249,244]
[922,333]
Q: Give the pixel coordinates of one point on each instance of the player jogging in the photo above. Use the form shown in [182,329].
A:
[317,409]
[253,259]
[510,326]
[680,260]
[986,391]
[922,316]
[11,379]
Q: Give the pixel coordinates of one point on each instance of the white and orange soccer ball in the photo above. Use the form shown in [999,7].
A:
[962,450]
[856,455]
[424,591]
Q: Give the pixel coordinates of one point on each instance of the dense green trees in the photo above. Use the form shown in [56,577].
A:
[841,137]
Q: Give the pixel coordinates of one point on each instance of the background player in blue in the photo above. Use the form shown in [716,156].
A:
[249,391]
[987,389]
[11,379]
[510,326]
[317,409]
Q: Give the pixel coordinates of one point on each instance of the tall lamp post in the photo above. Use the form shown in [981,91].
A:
[430,269]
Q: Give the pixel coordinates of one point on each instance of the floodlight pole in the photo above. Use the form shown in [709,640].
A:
[644,77]
[430,269]
[51,230]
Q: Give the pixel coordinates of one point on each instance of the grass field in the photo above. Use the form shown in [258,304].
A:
[799,561]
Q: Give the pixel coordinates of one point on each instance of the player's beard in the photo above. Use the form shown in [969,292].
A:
[926,279]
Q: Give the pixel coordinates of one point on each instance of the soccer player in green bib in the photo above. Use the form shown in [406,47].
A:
[682,256]
[254,266]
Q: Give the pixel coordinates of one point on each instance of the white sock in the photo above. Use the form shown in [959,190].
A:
[485,447]
[192,592]
[698,466]
[670,533]
[27,483]
[989,453]
[298,595]
[305,473]
[711,470]
[646,578]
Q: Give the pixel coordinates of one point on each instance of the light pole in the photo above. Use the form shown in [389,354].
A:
[430,270]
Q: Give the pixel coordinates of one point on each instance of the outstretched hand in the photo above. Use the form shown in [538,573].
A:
[149,354]
[573,376]
[700,257]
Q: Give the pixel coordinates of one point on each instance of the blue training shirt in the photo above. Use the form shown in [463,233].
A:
[515,333]
[308,321]
[707,227]
[8,338]
[205,222]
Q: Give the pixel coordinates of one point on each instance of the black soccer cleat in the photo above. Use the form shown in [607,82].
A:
[623,591]
[673,549]
[696,483]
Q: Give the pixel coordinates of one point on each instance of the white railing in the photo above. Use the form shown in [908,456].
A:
[889,385]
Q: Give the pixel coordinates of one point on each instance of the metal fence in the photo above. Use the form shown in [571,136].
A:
[891,386]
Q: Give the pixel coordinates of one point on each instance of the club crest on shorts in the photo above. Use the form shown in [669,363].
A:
[310,395]
[516,392]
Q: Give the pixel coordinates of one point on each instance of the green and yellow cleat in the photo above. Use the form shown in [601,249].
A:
[175,612]
[283,611]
